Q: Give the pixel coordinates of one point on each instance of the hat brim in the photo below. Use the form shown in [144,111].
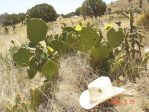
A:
[85,98]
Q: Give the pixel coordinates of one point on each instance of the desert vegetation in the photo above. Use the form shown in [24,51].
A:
[48,59]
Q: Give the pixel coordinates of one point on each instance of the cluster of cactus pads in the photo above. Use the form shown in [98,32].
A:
[45,60]
[103,52]
[34,56]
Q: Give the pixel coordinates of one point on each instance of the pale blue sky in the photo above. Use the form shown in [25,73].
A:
[61,6]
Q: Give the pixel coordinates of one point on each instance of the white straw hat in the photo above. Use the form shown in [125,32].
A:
[100,90]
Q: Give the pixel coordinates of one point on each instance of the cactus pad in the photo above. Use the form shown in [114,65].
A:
[36,30]
[115,39]
[59,46]
[22,56]
[33,63]
[31,73]
[49,70]
[36,98]
[99,53]
[88,39]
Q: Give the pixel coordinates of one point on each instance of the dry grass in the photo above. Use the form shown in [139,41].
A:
[14,80]
[74,75]
[19,36]
[140,97]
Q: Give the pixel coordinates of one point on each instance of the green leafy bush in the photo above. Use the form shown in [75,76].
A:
[43,11]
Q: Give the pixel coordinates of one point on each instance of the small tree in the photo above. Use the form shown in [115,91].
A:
[43,11]
[21,17]
[78,11]
[93,8]
[85,11]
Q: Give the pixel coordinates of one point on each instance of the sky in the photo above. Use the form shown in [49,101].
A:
[61,6]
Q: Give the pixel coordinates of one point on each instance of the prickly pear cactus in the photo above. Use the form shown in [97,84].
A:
[68,29]
[72,39]
[115,38]
[37,95]
[21,57]
[99,53]
[49,70]
[36,98]
[59,46]
[33,65]
[88,39]
[31,73]
[36,30]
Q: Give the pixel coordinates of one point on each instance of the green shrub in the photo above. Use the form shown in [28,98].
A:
[43,11]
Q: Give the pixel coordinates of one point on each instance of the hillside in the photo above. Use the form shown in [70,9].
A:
[124,4]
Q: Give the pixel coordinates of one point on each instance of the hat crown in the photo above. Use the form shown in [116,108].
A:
[99,88]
